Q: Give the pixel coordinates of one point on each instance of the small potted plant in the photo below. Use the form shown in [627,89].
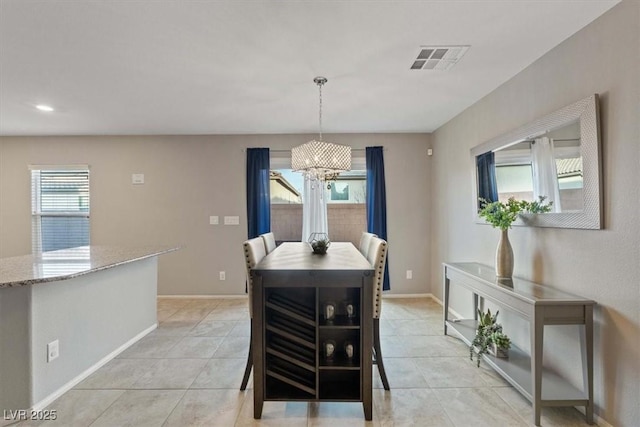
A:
[320,246]
[319,243]
[488,333]
[500,344]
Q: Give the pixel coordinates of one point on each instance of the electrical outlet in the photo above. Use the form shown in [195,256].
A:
[214,220]
[223,275]
[53,350]
[409,274]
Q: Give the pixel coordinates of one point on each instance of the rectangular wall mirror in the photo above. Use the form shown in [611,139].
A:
[557,157]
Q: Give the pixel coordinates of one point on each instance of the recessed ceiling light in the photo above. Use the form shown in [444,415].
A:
[43,107]
[438,57]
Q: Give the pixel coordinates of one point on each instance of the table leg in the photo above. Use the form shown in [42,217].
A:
[476,305]
[367,346]
[537,337]
[446,300]
[368,411]
[257,346]
[586,350]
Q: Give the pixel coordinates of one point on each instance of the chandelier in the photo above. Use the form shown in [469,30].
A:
[320,160]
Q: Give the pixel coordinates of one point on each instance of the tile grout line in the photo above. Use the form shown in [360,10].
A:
[174,407]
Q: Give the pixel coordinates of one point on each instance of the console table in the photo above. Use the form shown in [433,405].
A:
[292,328]
[541,306]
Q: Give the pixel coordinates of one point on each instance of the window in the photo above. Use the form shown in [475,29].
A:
[514,173]
[350,187]
[346,198]
[514,180]
[60,207]
[285,186]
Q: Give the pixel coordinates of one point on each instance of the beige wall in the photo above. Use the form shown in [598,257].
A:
[603,265]
[286,221]
[189,178]
[347,221]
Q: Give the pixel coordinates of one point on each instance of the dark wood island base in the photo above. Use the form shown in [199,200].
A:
[312,326]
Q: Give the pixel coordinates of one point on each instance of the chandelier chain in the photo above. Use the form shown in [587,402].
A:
[320,114]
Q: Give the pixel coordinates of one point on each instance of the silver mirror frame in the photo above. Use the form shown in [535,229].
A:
[588,113]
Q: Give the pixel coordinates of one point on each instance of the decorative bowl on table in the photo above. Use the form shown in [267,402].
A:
[319,243]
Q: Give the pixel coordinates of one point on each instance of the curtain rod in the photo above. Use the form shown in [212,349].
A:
[532,141]
[288,151]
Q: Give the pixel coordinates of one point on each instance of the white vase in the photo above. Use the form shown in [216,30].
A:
[504,257]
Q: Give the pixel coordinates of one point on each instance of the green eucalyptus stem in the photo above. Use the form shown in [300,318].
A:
[502,215]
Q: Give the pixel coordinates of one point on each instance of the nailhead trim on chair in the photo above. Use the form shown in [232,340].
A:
[250,263]
[380,255]
[247,262]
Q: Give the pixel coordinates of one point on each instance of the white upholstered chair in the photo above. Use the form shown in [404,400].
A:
[254,251]
[365,240]
[269,242]
[377,256]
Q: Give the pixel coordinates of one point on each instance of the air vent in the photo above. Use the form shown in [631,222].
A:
[438,57]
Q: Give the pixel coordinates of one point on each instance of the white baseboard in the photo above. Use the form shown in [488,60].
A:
[202,296]
[599,421]
[455,314]
[75,381]
[405,295]
[436,299]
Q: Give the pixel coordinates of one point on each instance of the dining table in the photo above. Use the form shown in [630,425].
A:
[311,333]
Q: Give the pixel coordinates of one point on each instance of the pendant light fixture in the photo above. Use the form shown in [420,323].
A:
[321,160]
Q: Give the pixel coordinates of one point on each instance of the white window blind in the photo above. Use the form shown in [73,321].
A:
[60,208]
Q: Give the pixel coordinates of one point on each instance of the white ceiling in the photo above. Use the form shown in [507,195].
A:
[229,67]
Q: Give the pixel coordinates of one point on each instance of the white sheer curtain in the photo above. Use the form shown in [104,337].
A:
[314,208]
[545,175]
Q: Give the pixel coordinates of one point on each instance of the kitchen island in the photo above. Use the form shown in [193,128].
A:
[90,302]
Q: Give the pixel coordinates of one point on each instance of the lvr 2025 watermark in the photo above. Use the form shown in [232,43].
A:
[30,414]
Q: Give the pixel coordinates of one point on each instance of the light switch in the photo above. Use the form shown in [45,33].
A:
[231,220]
[137,178]
[213,220]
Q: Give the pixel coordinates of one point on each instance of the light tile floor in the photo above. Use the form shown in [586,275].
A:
[188,373]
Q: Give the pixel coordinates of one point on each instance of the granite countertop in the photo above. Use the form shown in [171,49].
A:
[68,263]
